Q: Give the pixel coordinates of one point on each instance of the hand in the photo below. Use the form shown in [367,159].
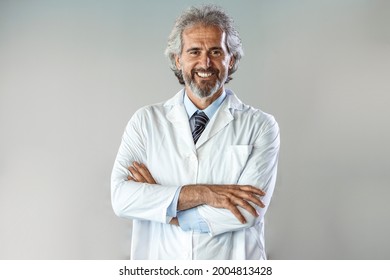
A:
[174,222]
[140,173]
[222,196]
[219,196]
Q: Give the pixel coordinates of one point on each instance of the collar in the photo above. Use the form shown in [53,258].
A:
[209,111]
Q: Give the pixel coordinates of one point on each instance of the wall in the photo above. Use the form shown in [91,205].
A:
[73,72]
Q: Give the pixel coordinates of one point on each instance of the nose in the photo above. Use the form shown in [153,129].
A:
[204,61]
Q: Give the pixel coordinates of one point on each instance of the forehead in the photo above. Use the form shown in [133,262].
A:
[203,34]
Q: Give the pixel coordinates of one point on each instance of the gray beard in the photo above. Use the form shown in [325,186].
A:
[204,92]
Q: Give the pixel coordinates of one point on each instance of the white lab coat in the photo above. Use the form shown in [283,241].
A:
[239,146]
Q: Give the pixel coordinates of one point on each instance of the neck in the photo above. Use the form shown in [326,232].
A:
[203,103]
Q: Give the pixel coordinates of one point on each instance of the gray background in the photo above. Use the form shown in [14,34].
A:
[73,72]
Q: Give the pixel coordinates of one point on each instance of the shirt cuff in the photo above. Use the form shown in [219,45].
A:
[191,220]
[172,208]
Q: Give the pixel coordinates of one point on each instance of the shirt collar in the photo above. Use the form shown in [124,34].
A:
[209,111]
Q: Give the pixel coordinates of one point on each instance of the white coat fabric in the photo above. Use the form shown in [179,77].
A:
[240,145]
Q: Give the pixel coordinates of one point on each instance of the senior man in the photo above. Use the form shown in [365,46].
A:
[197,172]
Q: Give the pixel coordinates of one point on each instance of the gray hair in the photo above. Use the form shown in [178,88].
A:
[207,15]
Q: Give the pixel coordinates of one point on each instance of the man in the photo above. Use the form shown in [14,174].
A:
[196,173]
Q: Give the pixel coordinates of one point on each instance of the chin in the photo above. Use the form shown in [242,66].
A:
[205,93]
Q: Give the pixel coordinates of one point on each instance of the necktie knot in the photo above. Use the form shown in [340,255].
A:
[201,120]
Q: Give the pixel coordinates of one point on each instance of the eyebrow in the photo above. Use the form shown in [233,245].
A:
[193,49]
[198,49]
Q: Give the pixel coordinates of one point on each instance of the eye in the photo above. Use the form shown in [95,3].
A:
[194,52]
[216,52]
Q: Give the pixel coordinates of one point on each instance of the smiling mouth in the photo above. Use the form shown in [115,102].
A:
[204,74]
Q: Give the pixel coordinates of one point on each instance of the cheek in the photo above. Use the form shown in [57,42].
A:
[227,62]
[222,62]
[224,66]
[187,66]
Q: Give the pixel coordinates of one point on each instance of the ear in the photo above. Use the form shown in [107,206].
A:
[177,61]
[231,63]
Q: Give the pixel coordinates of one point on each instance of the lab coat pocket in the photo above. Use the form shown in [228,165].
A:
[237,157]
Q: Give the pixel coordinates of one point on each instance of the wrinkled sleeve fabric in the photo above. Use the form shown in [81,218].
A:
[260,170]
[133,200]
[191,220]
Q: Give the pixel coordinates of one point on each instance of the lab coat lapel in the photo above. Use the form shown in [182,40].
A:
[177,115]
[222,117]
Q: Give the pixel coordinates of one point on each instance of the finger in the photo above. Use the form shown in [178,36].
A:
[236,213]
[226,203]
[249,208]
[174,221]
[254,199]
[253,190]
[136,175]
[147,172]
[129,178]
[245,188]
[144,171]
[241,194]
[244,204]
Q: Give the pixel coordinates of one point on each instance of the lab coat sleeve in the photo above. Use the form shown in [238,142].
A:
[133,200]
[260,171]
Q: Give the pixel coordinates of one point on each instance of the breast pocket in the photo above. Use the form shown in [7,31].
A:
[236,159]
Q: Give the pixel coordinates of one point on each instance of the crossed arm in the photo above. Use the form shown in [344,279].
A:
[219,196]
[223,207]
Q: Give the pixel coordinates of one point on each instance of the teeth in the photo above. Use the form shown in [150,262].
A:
[204,74]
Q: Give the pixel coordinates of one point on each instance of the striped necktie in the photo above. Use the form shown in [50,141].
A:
[200,124]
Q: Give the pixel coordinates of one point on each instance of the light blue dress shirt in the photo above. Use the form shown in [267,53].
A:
[190,219]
